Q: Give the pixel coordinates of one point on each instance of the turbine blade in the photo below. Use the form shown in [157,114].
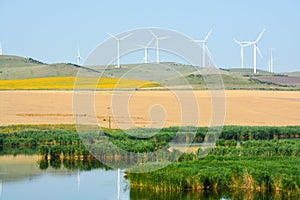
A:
[162,38]
[208,52]
[126,36]
[207,35]
[237,42]
[247,42]
[259,52]
[153,34]
[111,35]
[246,45]
[149,43]
[198,41]
[260,35]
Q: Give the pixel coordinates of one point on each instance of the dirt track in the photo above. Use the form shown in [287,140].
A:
[261,108]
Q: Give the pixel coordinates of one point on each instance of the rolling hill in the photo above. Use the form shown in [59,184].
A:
[296,73]
[26,73]
[15,67]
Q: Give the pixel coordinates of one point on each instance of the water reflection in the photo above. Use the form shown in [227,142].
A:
[33,178]
[36,178]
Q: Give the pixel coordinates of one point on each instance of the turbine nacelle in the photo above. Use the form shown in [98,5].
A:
[157,46]
[78,57]
[204,47]
[255,48]
[118,45]
[146,50]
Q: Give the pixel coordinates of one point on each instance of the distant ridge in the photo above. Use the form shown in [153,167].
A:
[15,67]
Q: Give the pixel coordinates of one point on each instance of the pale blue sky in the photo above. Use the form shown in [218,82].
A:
[51,30]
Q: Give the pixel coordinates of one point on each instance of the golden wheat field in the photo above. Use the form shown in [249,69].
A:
[61,83]
[150,108]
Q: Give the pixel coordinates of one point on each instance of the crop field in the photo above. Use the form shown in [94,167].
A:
[252,108]
[68,83]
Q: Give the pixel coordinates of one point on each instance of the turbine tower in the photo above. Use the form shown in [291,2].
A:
[146,50]
[157,47]
[204,47]
[0,48]
[118,46]
[255,48]
[271,61]
[78,57]
[242,51]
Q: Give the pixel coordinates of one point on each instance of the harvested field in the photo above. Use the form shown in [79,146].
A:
[151,108]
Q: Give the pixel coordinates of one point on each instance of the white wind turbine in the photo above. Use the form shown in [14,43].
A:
[242,51]
[78,57]
[255,48]
[1,48]
[146,50]
[157,47]
[118,45]
[204,47]
[271,61]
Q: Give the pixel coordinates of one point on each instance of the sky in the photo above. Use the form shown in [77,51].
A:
[51,31]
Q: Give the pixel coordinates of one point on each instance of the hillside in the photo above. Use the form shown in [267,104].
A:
[296,73]
[14,67]
[247,72]
[174,75]
[293,81]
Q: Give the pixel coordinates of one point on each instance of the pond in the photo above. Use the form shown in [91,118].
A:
[22,178]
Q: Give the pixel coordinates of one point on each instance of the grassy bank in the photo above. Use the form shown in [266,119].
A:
[256,165]
[279,175]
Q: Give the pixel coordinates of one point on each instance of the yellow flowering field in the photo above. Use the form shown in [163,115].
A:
[68,82]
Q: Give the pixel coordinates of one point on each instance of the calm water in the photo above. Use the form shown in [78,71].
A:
[21,178]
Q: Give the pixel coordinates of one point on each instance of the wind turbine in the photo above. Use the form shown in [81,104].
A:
[242,51]
[0,48]
[118,45]
[271,61]
[255,48]
[78,57]
[157,47]
[146,50]
[204,47]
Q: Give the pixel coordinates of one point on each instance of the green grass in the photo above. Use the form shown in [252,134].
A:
[14,67]
[168,74]
[297,73]
[229,81]
[261,165]
[248,71]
